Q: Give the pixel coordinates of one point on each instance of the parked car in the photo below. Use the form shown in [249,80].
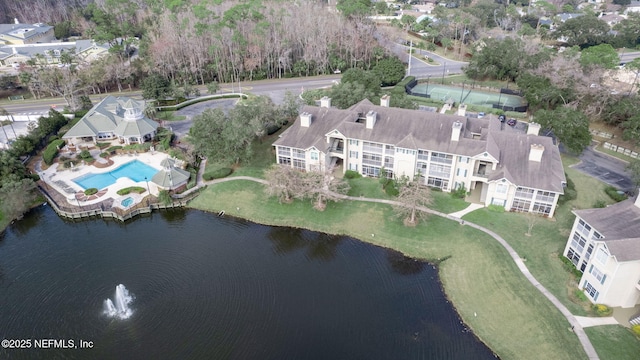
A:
[512,122]
[480,115]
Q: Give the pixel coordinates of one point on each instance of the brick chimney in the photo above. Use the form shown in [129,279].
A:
[325,102]
[535,154]
[305,119]
[533,129]
[385,100]
[456,129]
[372,116]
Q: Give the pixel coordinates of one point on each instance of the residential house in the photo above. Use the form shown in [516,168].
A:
[605,246]
[22,34]
[113,118]
[500,165]
[50,53]
[634,6]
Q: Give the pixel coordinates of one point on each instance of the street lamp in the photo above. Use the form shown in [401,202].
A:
[443,71]
[462,93]
[149,191]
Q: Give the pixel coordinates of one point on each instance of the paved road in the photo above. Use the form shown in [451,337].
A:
[626,57]
[605,168]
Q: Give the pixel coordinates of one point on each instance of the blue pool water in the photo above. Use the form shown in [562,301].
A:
[134,170]
[127,202]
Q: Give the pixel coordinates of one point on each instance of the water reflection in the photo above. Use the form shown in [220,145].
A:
[173,215]
[404,265]
[317,246]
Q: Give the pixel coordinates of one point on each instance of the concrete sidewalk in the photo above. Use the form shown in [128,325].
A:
[596,321]
[468,209]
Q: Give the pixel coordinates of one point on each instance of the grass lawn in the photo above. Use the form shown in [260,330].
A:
[614,342]
[169,116]
[513,317]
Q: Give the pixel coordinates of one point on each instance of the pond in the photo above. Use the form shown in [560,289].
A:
[199,286]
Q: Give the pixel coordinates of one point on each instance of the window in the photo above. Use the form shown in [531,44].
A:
[545,196]
[596,235]
[438,183]
[370,170]
[520,205]
[389,149]
[314,155]
[300,154]
[583,227]
[423,155]
[589,251]
[353,166]
[591,291]
[574,256]
[371,159]
[599,275]
[440,170]
[405,151]
[602,256]
[501,188]
[498,202]
[541,208]
[578,242]
[353,142]
[441,158]
[284,151]
[353,154]
[299,164]
[284,160]
[388,162]
[463,159]
[524,193]
[372,147]
[421,168]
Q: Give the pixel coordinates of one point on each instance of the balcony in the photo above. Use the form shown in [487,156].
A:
[337,147]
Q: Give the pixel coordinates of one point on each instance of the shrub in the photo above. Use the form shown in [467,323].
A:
[614,194]
[90,191]
[350,174]
[579,294]
[601,309]
[85,155]
[569,267]
[165,197]
[460,193]
[496,208]
[570,192]
[600,204]
[135,189]
[112,149]
[391,189]
[217,174]
[51,151]
[104,155]
[102,145]
[636,330]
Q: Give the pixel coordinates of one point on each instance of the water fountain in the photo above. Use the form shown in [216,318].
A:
[119,307]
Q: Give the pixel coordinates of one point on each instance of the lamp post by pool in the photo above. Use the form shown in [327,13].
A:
[462,93]
[147,181]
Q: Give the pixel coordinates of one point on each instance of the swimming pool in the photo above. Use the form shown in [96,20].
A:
[127,202]
[134,170]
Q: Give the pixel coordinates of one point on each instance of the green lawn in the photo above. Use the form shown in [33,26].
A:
[614,342]
[169,116]
[489,292]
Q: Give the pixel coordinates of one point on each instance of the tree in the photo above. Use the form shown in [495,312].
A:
[370,80]
[285,182]
[634,169]
[532,220]
[213,87]
[157,87]
[503,59]
[603,55]
[323,186]
[390,71]
[412,196]
[354,8]
[344,95]
[17,196]
[584,31]
[570,126]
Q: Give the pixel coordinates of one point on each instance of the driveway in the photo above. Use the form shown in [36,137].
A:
[605,168]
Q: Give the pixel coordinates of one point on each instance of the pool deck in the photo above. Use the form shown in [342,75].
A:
[62,179]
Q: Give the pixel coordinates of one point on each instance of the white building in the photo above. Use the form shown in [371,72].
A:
[605,245]
[500,165]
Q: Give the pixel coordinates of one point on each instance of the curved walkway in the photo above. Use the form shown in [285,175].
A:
[577,323]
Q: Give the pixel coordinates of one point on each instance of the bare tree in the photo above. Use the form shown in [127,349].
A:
[532,220]
[323,186]
[284,182]
[412,196]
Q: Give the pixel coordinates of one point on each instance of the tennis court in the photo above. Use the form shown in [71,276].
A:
[468,96]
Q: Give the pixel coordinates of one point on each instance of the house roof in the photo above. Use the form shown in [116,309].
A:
[22,31]
[170,178]
[620,225]
[414,129]
[109,116]
[31,50]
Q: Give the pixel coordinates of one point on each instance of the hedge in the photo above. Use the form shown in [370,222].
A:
[90,191]
[130,189]
[51,151]
[614,194]
[217,174]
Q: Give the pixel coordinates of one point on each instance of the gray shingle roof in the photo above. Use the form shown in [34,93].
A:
[620,225]
[108,116]
[432,131]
